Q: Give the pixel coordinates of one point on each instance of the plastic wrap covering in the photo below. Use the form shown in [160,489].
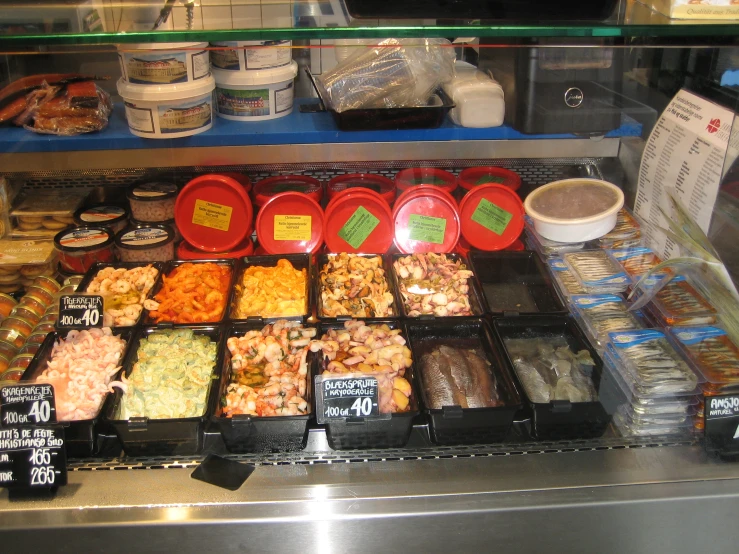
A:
[395,73]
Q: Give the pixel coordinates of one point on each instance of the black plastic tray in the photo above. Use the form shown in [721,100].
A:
[168,267]
[516,11]
[97,266]
[557,419]
[299,261]
[359,432]
[476,302]
[453,424]
[514,283]
[322,259]
[244,433]
[180,436]
[80,437]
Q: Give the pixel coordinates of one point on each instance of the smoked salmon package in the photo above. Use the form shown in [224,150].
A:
[92,357]
[265,401]
[467,391]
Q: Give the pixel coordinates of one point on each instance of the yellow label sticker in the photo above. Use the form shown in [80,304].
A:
[292,227]
[210,214]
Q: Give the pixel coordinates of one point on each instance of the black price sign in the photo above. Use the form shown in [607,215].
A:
[345,397]
[32,457]
[27,405]
[722,424]
[78,311]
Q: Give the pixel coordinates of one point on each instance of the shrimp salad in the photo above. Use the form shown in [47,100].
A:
[124,291]
[269,371]
[171,377]
[81,367]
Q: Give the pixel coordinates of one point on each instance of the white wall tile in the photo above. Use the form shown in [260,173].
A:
[217,17]
[247,17]
[276,14]
[246,2]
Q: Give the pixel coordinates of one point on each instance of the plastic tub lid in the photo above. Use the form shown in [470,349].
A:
[358,220]
[414,176]
[161,45]
[186,251]
[376,183]
[105,215]
[213,213]
[425,221]
[83,238]
[242,179]
[152,192]
[157,93]
[492,217]
[144,237]
[290,222]
[472,177]
[271,186]
[267,76]
[565,211]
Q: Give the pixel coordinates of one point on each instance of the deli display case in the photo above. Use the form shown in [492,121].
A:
[217,216]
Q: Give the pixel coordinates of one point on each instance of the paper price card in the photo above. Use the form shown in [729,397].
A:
[212,215]
[292,227]
[425,228]
[358,227]
[491,217]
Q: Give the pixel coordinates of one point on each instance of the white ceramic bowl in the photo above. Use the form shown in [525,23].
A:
[575,229]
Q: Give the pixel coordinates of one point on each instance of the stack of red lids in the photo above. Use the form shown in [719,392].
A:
[473,177]
[491,217]
[376,183]
[358,220]
[290,222]
[271,186]
[426,219]
[415,176]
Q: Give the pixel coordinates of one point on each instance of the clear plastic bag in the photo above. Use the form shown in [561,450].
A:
[394,73]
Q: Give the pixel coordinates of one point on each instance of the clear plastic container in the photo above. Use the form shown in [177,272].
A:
[146,243]
[635,261]
[44,215]
[596,272]
[602,314]
[567,283]
[21,261]
[545,247]
[678,303]
[478,98]
[80,247]
[712,353]
[153,202]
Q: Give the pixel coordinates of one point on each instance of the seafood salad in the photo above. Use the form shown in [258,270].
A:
[356,286]
[375,350]
[81,368]
[269,371]
[124,291]
[456,376]
[549,370]
[278,291]
[191,293]
[171,376]
[433,284]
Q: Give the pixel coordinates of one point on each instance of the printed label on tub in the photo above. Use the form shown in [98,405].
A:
[102,214]
[358,227]
[492,217]
[200,65]
[162,68]
[184,117]
[139,237]
[284,98]
[292,227]
[425,228]
[210,214]
[270,55]
[139,119]
[152,190]
[243,103]
[83,238]
[226,59]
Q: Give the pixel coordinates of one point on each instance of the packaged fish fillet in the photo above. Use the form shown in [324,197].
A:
[679,304]
[545,247]
[596,271]
[649,365]
[713,354]
[635,261]
[567,283]
[602,314]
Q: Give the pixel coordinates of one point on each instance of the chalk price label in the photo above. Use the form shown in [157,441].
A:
[722,424]
[32,457]
[78,311]
[346,397]
[27,404]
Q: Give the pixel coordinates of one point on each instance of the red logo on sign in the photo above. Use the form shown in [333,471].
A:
[714,125]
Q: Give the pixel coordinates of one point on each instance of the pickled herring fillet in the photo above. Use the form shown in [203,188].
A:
[484,394]
[437,381]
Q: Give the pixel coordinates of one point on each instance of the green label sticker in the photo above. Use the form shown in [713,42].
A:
[436,181]
[358,227]
[426,228]
[491,216]
[488,179]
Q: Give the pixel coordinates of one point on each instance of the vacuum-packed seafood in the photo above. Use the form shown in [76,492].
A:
[636,261]
[678,303]
[80,368]
[455,376]
[356,286]
[269,370]
[171,377]
[596,271]
[123,291]
[714,354]
[564,277]
[191,293]
[278,291]
[433,284]
[627,229]
[549,370]
[374,350]
[605,313]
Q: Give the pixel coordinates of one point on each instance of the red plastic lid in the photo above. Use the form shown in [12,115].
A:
[463,247]
[213,213]
[290,222]
[473,177]
[242,179]
[492,217]
[516,246]
[376,183]
[414,176]
[186,251]
[428,189]
[271,186]
[358,220]
[425,221]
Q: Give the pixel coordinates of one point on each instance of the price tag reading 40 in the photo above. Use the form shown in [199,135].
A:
[27,405]
[80,311]
[346,397]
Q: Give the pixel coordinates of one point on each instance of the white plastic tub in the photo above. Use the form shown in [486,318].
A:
[574,210]
[255,95]
[164,63]
[168,111]
[477,97]
[248,55]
